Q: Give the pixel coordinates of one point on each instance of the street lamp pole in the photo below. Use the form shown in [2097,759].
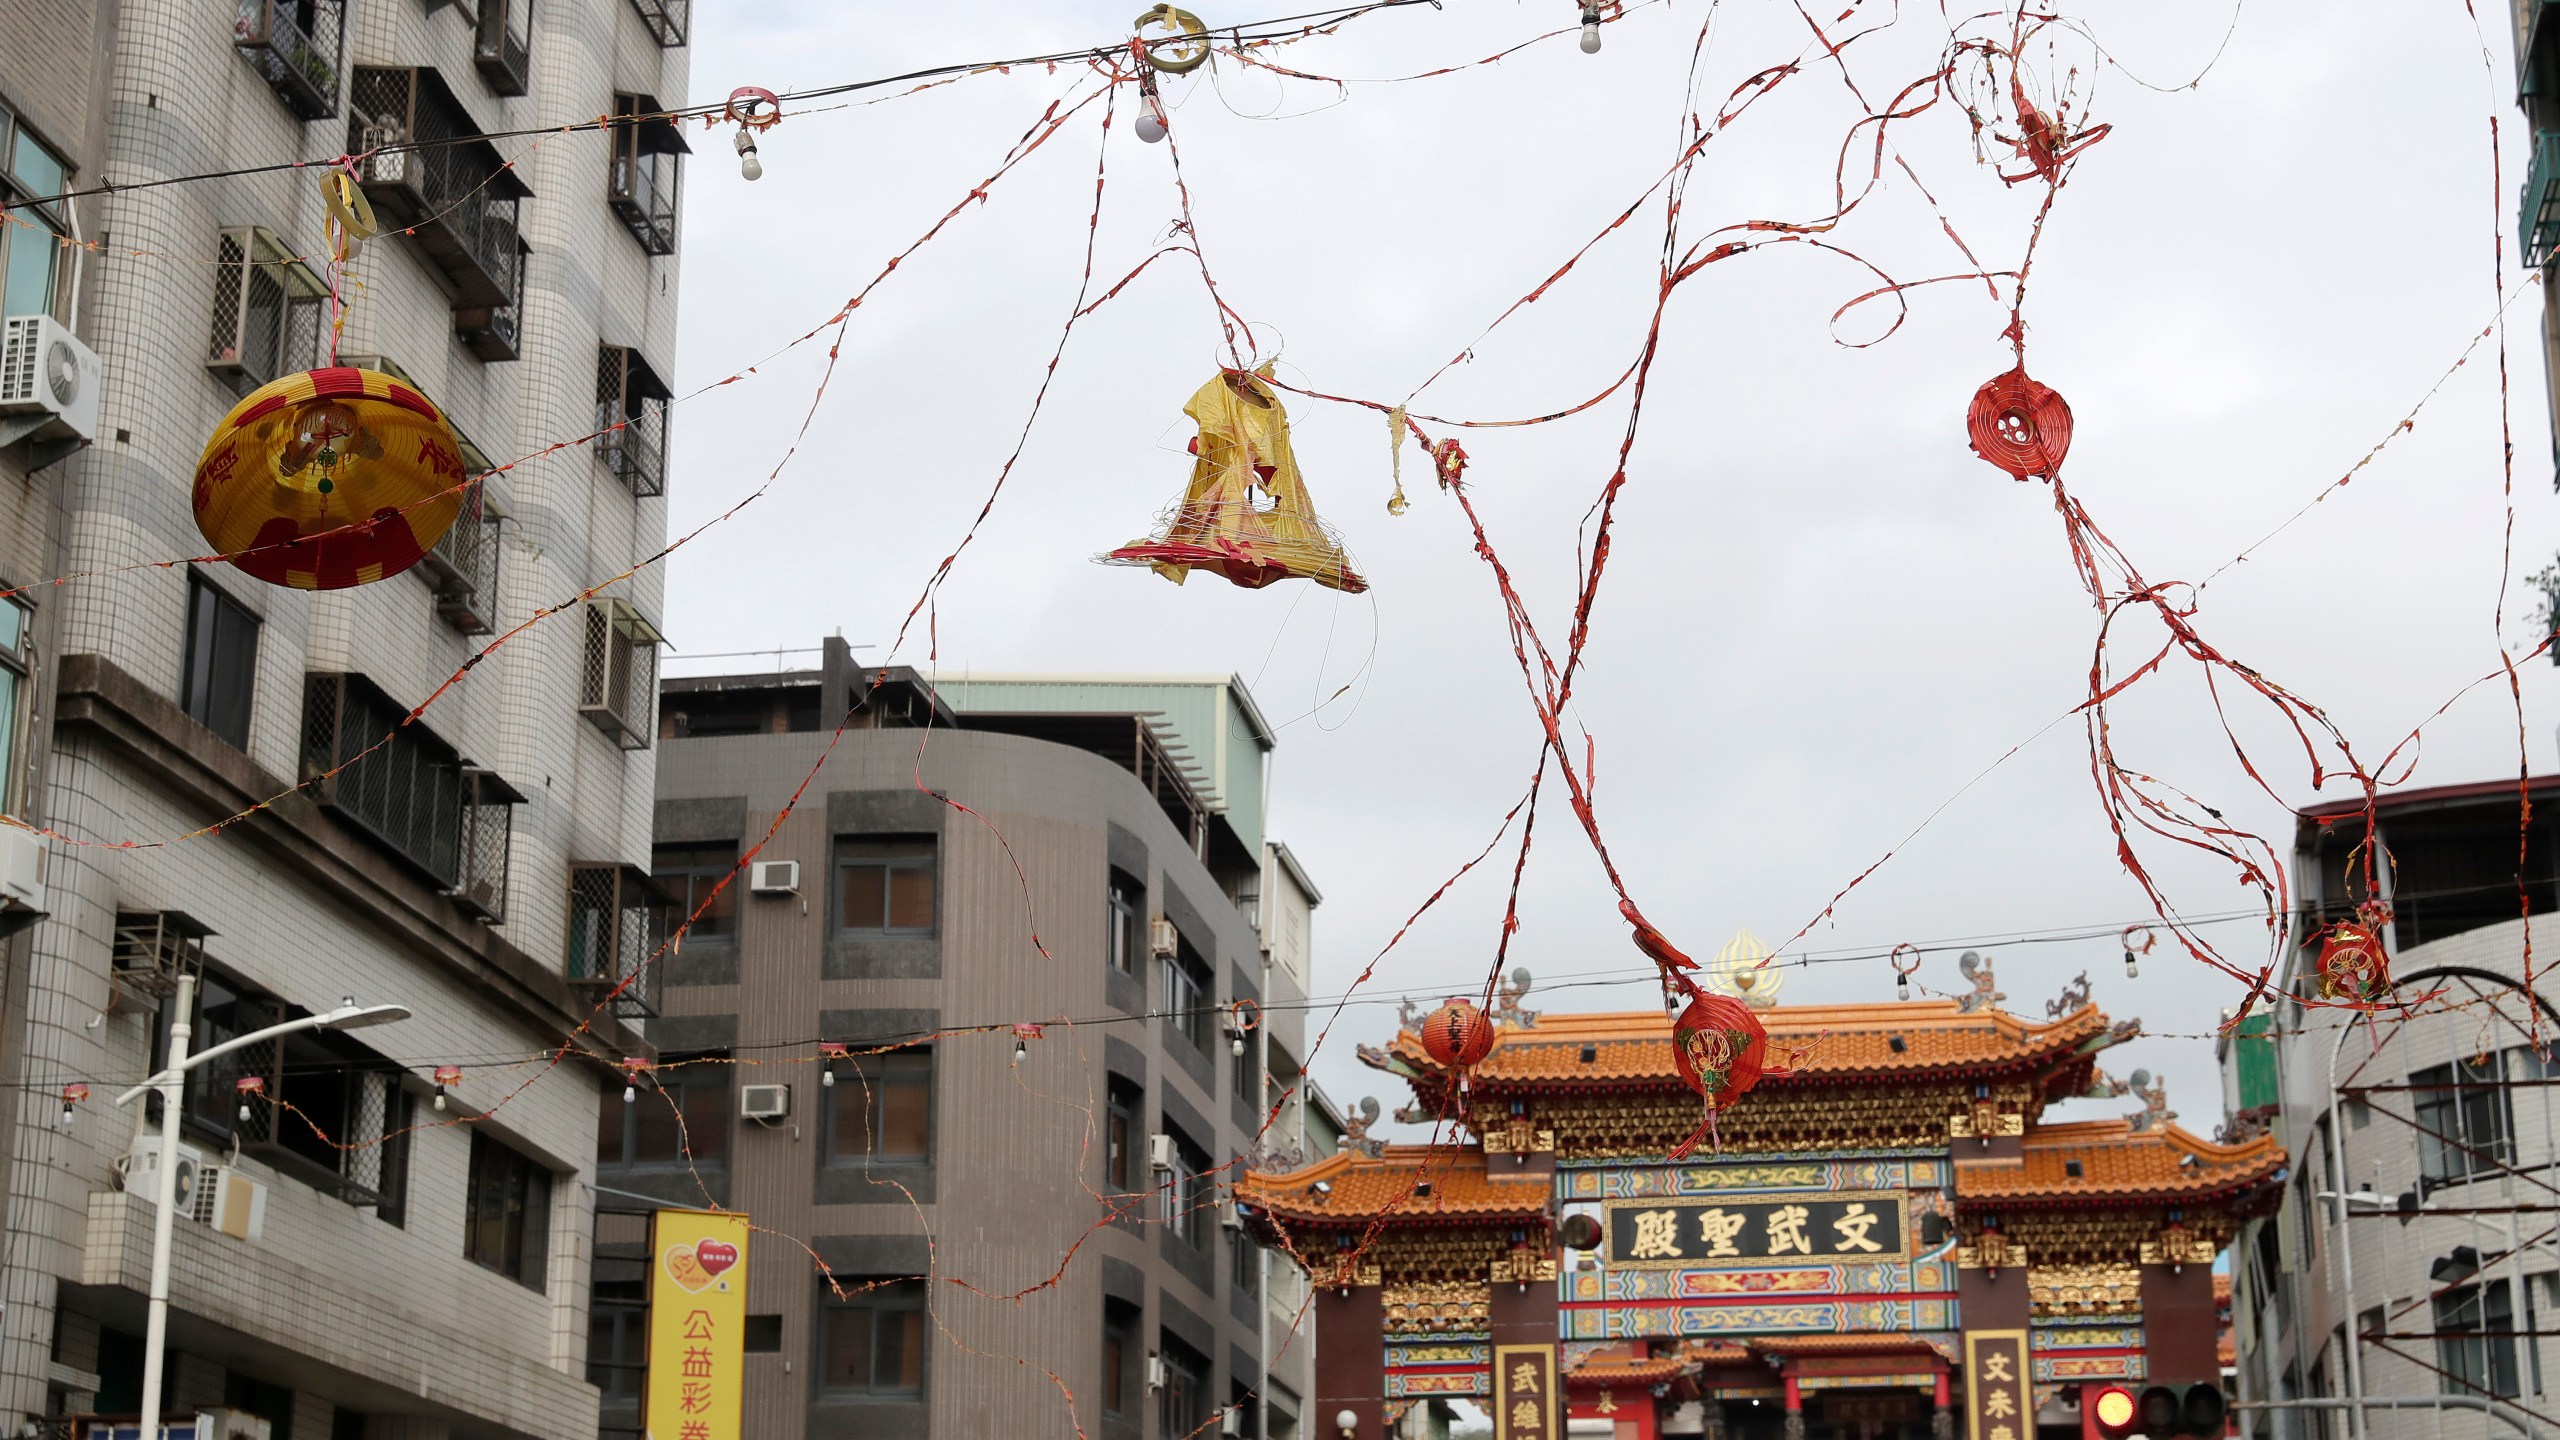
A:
[171,1083]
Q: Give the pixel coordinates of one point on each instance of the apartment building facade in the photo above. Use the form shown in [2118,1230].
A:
[367,1247]
[965,1228]
[2409,1283]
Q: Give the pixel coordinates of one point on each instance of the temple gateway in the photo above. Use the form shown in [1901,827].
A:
[1888,1244]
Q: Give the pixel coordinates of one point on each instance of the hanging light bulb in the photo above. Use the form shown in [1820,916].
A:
[1590,29]
[1019,1050]
[2132,970]
[246,1086]
[447,1076]
[632,1069]
[1901,987]
[72,1095]
[748,165]
[829,1052]
[2138,940]
[1151,125]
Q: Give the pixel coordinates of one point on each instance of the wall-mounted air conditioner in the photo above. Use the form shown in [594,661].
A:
[1162,938]
[49,381]
[142,1169]
[774,877]
[1160,1152]
[230,1202]
[22,867]
[764,1102]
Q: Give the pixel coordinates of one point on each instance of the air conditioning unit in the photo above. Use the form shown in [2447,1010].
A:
[231,1203]
[49,381]
[1229,1216]
[22,867]
[1232,1424]
[1155,1372]
[231,1425]
[142,1169]
[764,1102]
[1162,938]
[775,877]
[1160,1152]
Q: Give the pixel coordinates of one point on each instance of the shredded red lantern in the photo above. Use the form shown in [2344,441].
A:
[2020,425]
[1458,1035]
[1721,1048]
[2352,965]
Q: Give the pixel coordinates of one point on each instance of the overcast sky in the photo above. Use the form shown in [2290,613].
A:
[1823,614]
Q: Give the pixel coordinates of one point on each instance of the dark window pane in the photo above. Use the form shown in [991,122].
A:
[220,671]
[865,897]
[706,1115]
[655,1137]
[853,1117]
[849,1348]
[1113,1399]
[1116,1162]
[911,898]
[902,1351]
[906,1103]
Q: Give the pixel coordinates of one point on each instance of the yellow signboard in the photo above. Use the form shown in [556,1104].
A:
[697,1324]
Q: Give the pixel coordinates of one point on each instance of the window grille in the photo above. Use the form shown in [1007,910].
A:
[631,419]
[667,20]
[153,948]
[641,186]
[503,45]
[454,193]
[463,566]
[488,844]
[323,1111]
[268,309]
[394,779]
[611,940]
[296,47]
[618,690]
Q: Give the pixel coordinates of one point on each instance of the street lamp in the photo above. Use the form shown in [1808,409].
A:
[155,1343]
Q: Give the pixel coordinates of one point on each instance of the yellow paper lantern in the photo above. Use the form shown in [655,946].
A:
[329,478]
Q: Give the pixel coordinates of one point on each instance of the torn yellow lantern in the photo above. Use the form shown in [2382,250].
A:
[1245,515]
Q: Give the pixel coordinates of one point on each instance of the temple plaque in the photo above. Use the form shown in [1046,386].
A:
[1759,1230]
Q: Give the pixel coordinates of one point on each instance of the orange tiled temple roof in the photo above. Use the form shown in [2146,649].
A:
[1356,1186]
[1633,1048]
[2114,1163]
[1628,1369]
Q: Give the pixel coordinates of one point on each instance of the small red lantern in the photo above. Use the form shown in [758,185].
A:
[1721,1048]
[1458,1035]
[2020,425]
[2352,966]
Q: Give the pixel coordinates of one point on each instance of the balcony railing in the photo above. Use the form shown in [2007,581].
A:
[668,20]
[634,451]
[2538,223]
[454,194]
[503,46]
[295,46]
[463,566]
[618,684]
[490,331]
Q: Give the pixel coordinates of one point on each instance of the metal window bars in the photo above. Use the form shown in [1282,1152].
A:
[488,843]
[267,309]
[502,45]
[641,185]
[668,20]
[455,194]
[323,1123]
[296,46]
[393,779]
[631,420]
[463,566]
[152,950]
[618,689]
[612,937]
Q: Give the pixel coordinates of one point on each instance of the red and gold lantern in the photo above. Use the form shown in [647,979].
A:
[329,478]
[2020,425]
[2353,968]
[1721,1048]
[1458,1034]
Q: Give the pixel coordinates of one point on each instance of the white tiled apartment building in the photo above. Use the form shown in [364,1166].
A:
[486,869]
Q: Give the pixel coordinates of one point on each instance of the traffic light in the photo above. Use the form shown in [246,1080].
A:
[2169,1411]
[2108,1411]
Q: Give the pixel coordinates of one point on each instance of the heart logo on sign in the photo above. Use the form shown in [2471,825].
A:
[686,1270]
[715,1256]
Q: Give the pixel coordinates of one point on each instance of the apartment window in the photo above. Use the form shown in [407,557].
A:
[34,274]
[689,876]
[502,47]
[1188,1195]
[2474,1340]
[881,1110]
[618,683]
[874,1338]
[1119,1359]
[641,185]
[1125,937]
[764,1335]
[294,46]
[221,668]
[2465,1125]
[268,310]
[681,1120]
[885,887]
[322,1109]
[1183,1404]
[456,197]
[16,654]
[1120,1136]
[1244,1262]
[388,775]
[668,20]
[1189,995]
[506,1211]
[631,419]
[618,1328]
